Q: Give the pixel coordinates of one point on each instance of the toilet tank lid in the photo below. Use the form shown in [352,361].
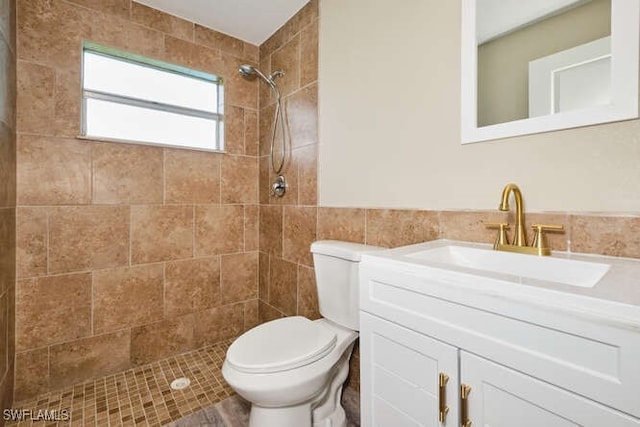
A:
[345,250]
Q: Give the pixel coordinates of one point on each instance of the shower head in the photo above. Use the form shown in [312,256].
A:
[250,72]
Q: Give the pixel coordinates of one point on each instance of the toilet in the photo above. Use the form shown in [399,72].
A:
[292,369]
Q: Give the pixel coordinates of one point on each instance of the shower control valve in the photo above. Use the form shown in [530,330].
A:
[279,187]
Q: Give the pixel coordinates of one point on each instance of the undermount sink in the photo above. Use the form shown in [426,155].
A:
[560,270]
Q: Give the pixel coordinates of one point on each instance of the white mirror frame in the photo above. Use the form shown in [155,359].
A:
[625,35]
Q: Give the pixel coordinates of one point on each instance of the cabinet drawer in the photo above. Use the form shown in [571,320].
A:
[599,361]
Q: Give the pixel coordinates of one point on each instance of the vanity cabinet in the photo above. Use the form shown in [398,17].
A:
[525,364]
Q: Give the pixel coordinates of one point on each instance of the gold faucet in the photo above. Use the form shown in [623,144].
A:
[520,236]
[539,245]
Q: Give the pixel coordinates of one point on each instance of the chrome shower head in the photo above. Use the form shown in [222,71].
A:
[247,71]
[250,72]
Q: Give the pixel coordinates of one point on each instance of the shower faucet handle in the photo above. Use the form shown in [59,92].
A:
[279,187]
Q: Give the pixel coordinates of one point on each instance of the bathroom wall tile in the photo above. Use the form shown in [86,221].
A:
[88,237]
[341,224]
[251,227]
[7,166]
[307,293]
[271,230]
[239,179]
[265,129]
[306,159]
[52,309]
[162,21]
[469,225]
[392,228]
[557,240]
[31,373]
[267,312]
[61,167]
[31,242]
[161,233]
[309,54]
[120,8]
[239,277]
[234,130]
[607,235]
[263,276]
[127,297]
[127,173]
[35,98]
[251,138]
[68,95]
[5,352]
[216,40]
[305,16]
[299,233]
[251,315]
[283,285]
[218,324]
[162,339]
[122,34]
[264,183]
[251,52]
[191,285]
[265,93]
[302,112]
[50,33]
[194,56]
[7,250]
[287,59]
[74,362]
[219,229]
[239,91]
[192,176]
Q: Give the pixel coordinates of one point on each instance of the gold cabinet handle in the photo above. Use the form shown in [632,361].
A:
[443,379]
[464,405]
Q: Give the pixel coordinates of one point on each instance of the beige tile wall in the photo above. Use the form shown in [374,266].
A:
[126,254]
[7,198]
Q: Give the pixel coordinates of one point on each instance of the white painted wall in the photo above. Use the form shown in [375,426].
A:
[389,112]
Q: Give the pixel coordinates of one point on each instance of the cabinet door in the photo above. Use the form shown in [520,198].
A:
[501,397]
[400,375]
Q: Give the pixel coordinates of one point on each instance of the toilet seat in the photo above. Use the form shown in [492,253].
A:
[281,345]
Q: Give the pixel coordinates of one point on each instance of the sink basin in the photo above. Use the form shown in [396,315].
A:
[560,270]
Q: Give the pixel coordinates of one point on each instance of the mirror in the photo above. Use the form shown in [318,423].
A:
[530,67]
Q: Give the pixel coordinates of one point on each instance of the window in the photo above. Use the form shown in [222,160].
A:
[129,98]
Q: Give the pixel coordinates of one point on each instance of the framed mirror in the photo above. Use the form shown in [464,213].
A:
[544,65]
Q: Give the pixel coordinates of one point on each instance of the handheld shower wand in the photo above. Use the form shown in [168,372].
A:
[250,72]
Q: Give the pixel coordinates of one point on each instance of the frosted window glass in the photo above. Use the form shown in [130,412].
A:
[119,77]
[125,122]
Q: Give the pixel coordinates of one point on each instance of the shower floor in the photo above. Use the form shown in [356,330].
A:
[141,396]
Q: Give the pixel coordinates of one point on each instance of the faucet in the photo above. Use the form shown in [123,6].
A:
[520,236]
[539,245]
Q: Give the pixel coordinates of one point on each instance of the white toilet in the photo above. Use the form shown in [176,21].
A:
[292,369]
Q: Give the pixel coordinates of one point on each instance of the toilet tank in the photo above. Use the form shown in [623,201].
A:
[336,267]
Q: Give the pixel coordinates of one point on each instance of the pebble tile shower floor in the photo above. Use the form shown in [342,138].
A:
[141,396]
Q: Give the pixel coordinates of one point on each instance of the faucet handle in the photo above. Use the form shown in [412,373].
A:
[540,238]
[502,233]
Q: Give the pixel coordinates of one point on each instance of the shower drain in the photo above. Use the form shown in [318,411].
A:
[180,383]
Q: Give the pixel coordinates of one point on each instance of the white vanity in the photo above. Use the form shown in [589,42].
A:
[453,333]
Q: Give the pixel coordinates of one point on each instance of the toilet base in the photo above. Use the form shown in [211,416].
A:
[292,416]
[324,411]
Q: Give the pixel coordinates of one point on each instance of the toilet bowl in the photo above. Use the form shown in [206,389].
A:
[292,369]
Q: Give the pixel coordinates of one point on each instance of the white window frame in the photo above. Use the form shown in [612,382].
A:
[217,145]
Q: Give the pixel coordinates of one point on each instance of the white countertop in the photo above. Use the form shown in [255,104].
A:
[615,298]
